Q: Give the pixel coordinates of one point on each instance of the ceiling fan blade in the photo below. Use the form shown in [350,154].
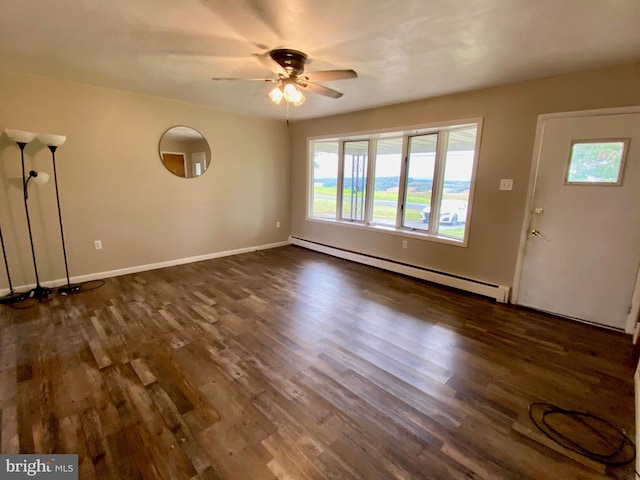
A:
[270,64]
[217,79]
[321,89]
[328,75]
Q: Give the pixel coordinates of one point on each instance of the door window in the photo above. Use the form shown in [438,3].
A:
[596,162]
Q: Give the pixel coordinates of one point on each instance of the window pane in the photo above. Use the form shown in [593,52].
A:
[458,170]
[325,179]
[356,155]
[596,162]
[422,160]
[387,181]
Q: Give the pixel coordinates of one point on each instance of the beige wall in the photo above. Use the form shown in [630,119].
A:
[114,187]
[510,114]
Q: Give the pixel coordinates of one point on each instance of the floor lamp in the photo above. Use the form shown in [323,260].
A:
[22,138]
[13,296]
[53,142]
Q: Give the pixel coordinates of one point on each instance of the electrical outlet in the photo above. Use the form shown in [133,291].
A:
[98,245]
[404,244]
[506,184]
[277,224]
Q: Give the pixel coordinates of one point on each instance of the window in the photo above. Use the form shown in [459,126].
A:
[596,162]
[456,183]
[415,182]
[421,165]
[354,180]
[325,179]
[386,186]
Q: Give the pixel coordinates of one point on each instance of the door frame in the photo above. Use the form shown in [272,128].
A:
[632,316]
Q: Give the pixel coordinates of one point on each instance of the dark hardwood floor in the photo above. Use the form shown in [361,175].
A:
[290,364]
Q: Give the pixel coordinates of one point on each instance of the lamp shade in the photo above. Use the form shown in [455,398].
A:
[291,93]
[20,136]
[276,94]
[51,140]
[300,100]
[41,178]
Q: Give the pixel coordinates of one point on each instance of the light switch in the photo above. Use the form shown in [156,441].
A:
[506,184]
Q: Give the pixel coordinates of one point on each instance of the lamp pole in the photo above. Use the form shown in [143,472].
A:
[39,291]
[69,288]
[13,296]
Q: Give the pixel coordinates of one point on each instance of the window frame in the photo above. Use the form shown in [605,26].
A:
[436,189]
[430,234]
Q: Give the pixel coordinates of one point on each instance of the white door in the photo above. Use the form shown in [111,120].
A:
[582,252]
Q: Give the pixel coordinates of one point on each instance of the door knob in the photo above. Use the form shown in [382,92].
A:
[536,233]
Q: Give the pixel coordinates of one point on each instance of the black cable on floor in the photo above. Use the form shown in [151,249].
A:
[583,433]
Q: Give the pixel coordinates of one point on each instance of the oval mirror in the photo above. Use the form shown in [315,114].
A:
[185,152]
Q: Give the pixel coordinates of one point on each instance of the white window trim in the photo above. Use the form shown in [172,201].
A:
[373,135]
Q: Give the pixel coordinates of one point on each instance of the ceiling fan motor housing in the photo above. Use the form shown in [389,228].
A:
[290,70]
[291,60]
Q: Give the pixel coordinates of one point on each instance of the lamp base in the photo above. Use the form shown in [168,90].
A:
[41,292]
[69,289]
[14,297]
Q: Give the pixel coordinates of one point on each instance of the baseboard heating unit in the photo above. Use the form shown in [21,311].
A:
[498,292]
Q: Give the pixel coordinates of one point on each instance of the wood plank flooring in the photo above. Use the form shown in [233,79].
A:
[289,364]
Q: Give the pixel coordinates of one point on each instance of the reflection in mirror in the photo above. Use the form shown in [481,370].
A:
[185,152]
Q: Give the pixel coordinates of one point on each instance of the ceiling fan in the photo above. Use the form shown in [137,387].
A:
[289,64]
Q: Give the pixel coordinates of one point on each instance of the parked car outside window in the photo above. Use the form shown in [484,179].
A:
[452,212]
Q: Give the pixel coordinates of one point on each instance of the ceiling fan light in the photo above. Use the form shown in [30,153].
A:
[276,94]
[291,93]
[300,101]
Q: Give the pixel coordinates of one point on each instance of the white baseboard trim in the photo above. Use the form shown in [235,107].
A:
[499,292]
[143,268]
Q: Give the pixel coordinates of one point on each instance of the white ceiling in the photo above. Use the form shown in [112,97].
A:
[402,49]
